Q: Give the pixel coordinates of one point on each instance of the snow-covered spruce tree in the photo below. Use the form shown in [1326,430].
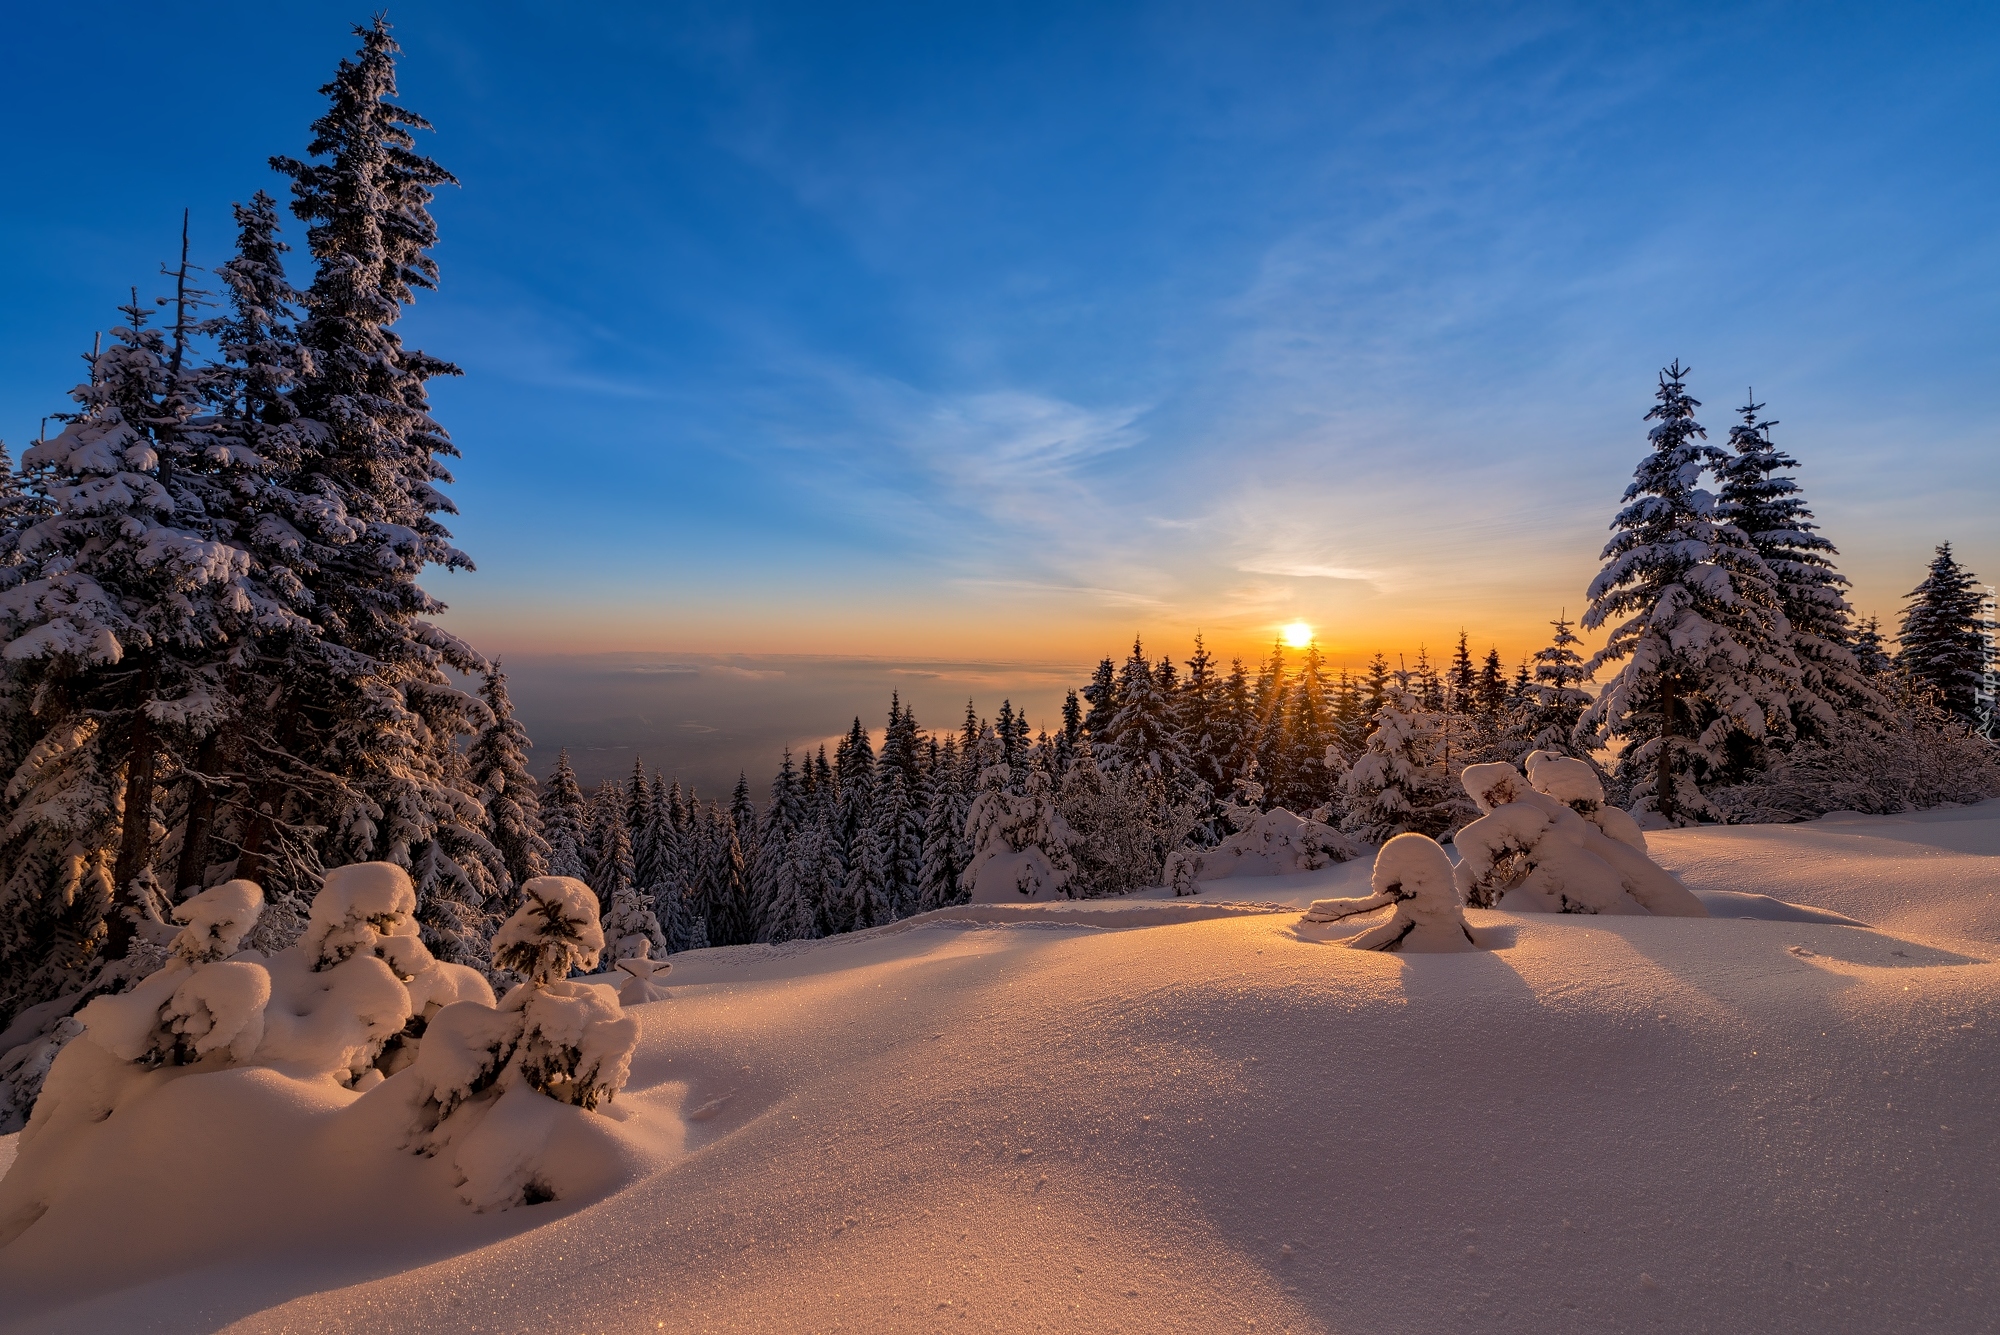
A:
[1707,675]
[773,882]
[1263,724]
[1869,649]
[1402,782]
[1491,691]
[1302,782]
[1123,825]
[1201,718]
[1762,500]
[1461,679]
[1102,697]
[1141,733]
[1939,645]
[896,816]
[565,821]
[631,931]
[246,473]
[461,879]
[575,1043]
[730,914]
[58,841]
[822,873]
[379,708]
[1021,844]
[128,603]
[781,875]
[609,843]
[1554,700]
[497,764]
[1072,728]
[944,825]
[654,842]
[789,912]
[861,899]
[896,839]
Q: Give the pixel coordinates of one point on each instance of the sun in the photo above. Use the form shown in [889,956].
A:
[1298,635]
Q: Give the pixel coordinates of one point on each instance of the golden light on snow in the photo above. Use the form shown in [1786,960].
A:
[1298,635]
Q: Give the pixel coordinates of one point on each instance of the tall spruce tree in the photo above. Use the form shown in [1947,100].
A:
[130,603]
[251,448]
[609,843]
[1141,733]
[379,705]
[1102,697]
[1869,649]
[1555,699]
[565,821]
[1300,779]
[896,817]
[1940,645]
[1462,678]
[1759,497]
[497,764]
[1707,673]
[1491,690]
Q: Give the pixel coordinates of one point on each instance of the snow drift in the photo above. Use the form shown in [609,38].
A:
[1597,1123]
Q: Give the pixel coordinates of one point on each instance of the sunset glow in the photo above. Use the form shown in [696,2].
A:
[1297,635]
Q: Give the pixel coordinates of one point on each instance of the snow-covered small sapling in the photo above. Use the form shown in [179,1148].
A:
[1412,873]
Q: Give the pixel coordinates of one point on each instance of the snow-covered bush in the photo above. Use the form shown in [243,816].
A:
[353,997]
[1266,843]
[1548,843]
[573,1042]
[201,1002]
[1578,785]
[639,985]
[631,929]
[1413,874]
[1020,842]
[576,1040]
[1921,756]
[217,921]
[481,1067]
[554,933]
[348,1002]
[360,1003]
[167,1016]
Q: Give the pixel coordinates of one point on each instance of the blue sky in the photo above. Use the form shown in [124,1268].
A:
[1006,331]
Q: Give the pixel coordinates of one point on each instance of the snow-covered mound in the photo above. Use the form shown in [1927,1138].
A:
[1551,845]
[1414,876]
[1596,1123]
[234,1071]
[1266,843]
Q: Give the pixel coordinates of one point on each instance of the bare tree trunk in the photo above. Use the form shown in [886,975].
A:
[135,842]
[256,832]
[1663,785]
[197,833]
[266,797]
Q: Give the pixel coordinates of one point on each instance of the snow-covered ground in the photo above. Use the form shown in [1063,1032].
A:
[1192,1115]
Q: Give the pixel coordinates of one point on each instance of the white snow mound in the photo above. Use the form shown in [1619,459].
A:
[1413,875]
